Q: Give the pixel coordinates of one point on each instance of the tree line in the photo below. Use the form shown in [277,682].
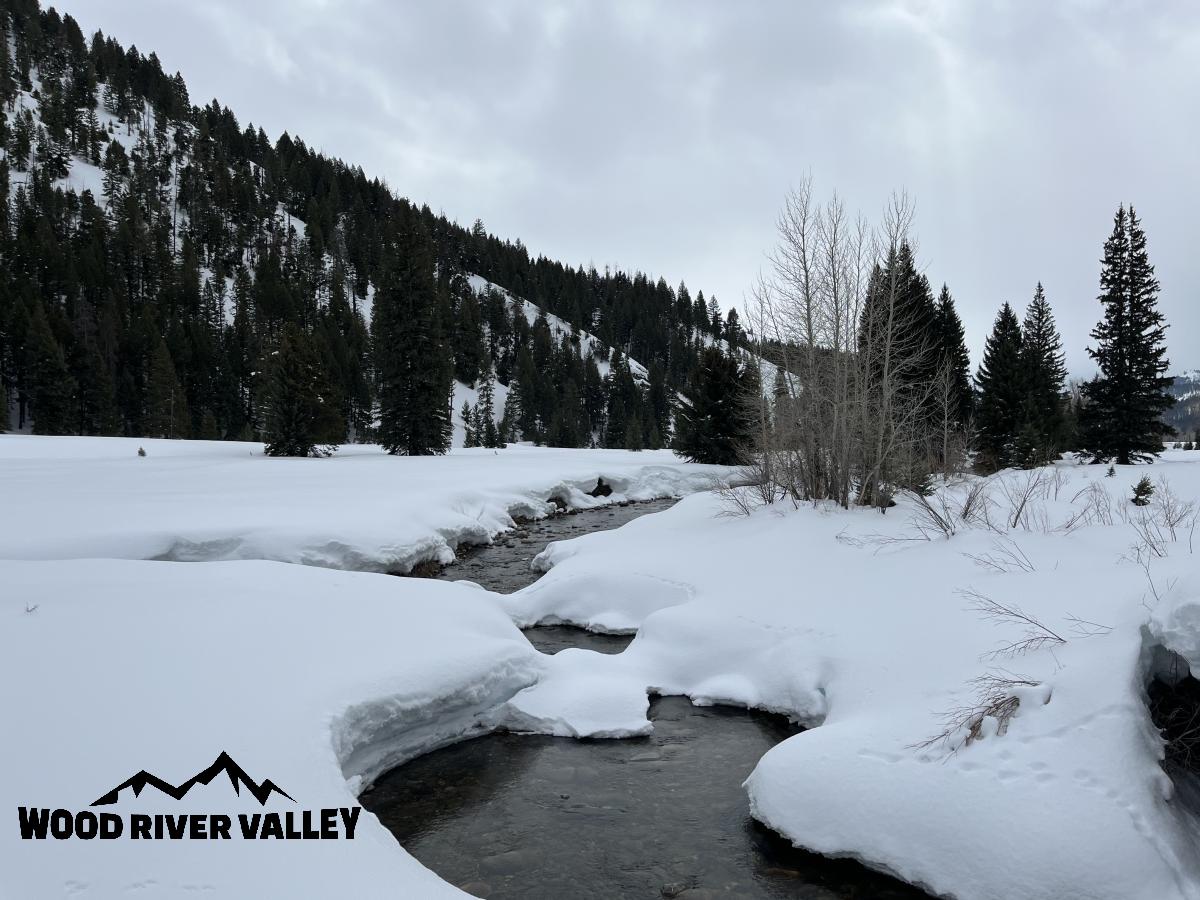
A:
[165,271]
[873,392]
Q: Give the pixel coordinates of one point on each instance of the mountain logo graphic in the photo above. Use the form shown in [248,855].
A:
[223,764]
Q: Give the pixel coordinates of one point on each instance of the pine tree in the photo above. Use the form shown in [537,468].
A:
[955,360]
[634,435]
[468,420]
[166,414]
[486,407]
[1122,416]
[711,424]
[1043,364]
[1002,392]
[415,377]
[52,388]
[301,416]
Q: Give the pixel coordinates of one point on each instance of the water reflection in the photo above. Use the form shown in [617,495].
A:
[531,816]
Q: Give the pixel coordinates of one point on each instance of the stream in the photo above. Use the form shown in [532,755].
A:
[528,816]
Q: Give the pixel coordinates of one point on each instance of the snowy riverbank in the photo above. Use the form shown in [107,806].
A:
[852,622]
[856,623]
[360,510]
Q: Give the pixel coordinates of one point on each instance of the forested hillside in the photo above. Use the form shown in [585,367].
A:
[166,270]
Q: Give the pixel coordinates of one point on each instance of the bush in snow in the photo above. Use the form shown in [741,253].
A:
[1142,492]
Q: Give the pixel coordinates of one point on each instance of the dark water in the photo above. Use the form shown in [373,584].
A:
[528,816]
[503,566]
[518,816]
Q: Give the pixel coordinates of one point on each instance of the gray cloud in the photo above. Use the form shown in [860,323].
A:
[663,136]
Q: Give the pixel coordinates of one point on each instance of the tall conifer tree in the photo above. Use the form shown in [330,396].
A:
[1001,387]
[410,355]
[302,417]
[1043,365]
[955,360]
[1122,415]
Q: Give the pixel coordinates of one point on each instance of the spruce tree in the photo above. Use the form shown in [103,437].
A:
[301,416]
[955,360]
[1042,431]
[1002,392]
[414,365]
[489,436]
[52,388]
[165,414]
[1122,415]
[711,424]
[468,419]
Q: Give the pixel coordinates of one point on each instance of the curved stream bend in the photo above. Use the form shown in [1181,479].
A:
[526,816]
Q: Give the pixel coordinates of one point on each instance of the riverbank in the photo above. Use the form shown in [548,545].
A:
[871,629]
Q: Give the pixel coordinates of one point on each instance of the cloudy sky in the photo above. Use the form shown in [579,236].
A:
[663,136]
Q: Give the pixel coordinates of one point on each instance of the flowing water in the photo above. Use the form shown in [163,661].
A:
[529,816]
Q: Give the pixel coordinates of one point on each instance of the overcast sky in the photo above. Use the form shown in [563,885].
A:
[663,136]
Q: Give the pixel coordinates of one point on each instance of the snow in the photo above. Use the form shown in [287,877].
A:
[361,509]
[315,679]
[850,623]
[464,392]
[559,328]
[856,624]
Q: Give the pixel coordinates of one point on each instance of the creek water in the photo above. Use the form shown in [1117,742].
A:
[530,816]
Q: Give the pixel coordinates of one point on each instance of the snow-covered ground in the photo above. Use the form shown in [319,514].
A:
[856,623]
[361,509]
[316,679]
[853,622]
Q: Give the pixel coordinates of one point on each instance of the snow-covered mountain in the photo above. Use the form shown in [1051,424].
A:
[1185,416]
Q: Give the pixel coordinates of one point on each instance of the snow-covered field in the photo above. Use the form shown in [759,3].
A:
[860,624]
[191,501]
[853,622]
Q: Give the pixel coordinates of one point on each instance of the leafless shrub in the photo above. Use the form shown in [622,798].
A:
[1084,628]
[1020,494]
[1005,556]
[977,505]
[995,704]
[1173,513]
[1058,480]
[1035,635]
[1152,538]
[933,515]
[1096,510]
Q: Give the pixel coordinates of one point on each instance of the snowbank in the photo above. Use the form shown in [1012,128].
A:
[361,509]
[312,678]
[857,624]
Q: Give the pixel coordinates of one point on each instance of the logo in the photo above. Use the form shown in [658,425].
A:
[39,823]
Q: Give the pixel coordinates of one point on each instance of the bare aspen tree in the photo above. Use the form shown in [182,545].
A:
[853,414]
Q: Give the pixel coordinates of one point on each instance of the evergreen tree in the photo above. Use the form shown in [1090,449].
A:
[1002,391]
[711,423]
[1043,427]
[468,420]
[166,413]
[634,435]
[411,358]
[489,436]
[955,361]
[301,417]
[52,389]
[1122,416]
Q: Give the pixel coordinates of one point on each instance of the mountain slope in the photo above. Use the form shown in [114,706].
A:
[152,252]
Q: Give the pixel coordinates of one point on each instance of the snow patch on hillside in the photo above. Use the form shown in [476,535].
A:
[559,328]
